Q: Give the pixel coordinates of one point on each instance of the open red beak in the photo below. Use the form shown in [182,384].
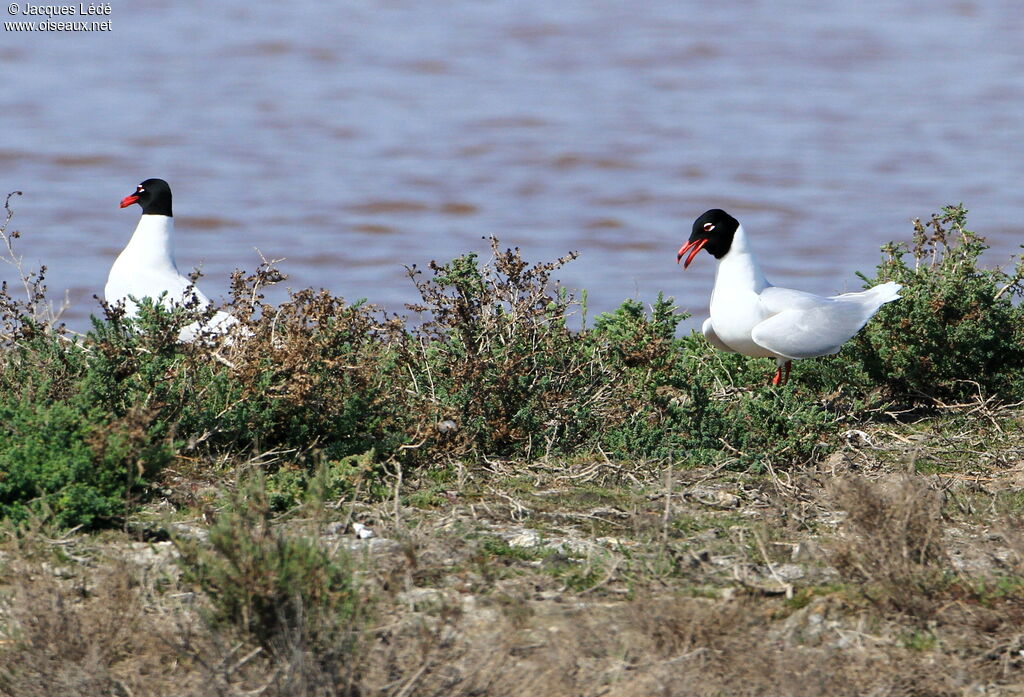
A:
[693,246]
[128,200]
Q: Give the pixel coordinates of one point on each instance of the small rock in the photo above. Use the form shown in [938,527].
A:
[374,545]
[527,538]
[151,555]
[577,548]
[854,435]
[335,528]
[806,550]
[789,572]
[551,596]
[715,497]
[723,499]
[188,531]
[422,598]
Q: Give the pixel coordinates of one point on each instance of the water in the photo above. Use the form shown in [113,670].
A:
[353,138]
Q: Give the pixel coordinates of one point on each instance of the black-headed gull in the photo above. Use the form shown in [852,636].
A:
[752,317]
[146,267]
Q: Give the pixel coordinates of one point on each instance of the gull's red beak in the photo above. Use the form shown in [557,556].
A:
[128,200]
[693,246]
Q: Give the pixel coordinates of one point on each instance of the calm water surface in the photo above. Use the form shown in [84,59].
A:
[355,137]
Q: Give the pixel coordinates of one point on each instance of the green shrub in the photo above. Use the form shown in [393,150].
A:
[497,357]
[82,467]
[717,407]
[279,589]
[138,363]
[958,328]
[645,357]
[294,485]
[315,374]
[689,402]
[306,378]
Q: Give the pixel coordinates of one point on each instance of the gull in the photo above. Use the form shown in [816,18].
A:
[146,266]
[752,317]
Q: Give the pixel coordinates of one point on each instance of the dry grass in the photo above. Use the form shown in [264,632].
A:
[631,589]
[77,636]
[893,541]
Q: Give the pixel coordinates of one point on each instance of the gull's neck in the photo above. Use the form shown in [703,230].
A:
[152,243]
[739,268]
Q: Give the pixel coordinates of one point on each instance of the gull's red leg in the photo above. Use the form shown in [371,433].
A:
[780,377]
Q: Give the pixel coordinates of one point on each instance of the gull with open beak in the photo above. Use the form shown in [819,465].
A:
[752,317]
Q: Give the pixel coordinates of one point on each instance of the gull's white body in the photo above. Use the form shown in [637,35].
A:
[146,268]
[752,317]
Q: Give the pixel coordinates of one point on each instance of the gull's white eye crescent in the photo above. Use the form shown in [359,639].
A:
[708,227]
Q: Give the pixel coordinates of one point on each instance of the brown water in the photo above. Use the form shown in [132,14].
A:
[355,137]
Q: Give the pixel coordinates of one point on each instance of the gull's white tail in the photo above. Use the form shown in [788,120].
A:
[885,292]
[873,298]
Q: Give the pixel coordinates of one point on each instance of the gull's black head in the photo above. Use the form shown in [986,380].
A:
[712,231]
[154,195]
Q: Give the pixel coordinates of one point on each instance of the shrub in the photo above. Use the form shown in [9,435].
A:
[684,400]
[83,467]
[59,643]
[307,376]
[316,373]
[64,454]
[893,543]
[293,485]
[958,328]
[279,589]
[644,357]
[497,357]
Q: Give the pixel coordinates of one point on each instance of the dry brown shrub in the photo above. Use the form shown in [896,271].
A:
[892,541]
[312,371]
[311,335]
[692,647]
[459,657]
[85,637]
[675,626]
[494,353]
[113,639]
